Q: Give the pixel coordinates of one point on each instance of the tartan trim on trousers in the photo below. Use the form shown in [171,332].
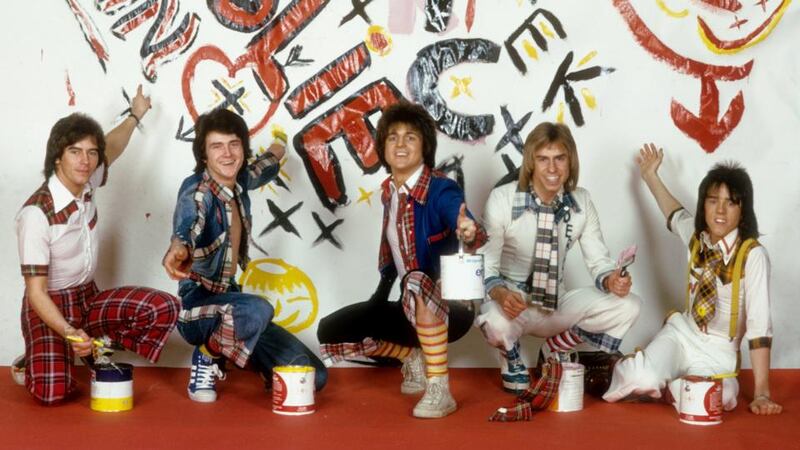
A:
[417,282]
[43,200]
[602,341]
[535,398]
[225,334]
[761,342]
[140,319]
[34,270]
[336,353]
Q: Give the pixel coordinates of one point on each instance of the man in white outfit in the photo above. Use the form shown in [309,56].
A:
[705,339]
[532,225]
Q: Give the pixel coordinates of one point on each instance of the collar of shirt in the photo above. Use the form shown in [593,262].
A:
[726,245]
[62,197]
[221,192]
[420,180]
[527,200]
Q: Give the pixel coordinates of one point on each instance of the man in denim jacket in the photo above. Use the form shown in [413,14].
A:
[211,226]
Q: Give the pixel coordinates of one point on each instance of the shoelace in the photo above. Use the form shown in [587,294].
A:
[204,375]
[434,394]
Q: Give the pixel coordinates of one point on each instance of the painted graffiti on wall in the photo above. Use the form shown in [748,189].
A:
[743,27]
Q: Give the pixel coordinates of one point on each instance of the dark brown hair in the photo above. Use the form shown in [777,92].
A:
[67,131]
[415,116]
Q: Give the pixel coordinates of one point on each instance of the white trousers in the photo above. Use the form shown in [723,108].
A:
[678,349]
[600,319]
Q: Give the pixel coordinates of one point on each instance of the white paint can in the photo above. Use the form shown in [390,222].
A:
[700,402]
[462,277]
[293,390]
[570,389]
[112,387]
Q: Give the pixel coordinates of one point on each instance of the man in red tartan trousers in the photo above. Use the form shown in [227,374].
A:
[63,310]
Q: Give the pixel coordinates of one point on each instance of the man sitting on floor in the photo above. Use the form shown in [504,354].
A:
[211,227]
[58,247]
[727,299]
[423,217]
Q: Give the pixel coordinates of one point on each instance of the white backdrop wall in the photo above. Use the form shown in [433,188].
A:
[48,58]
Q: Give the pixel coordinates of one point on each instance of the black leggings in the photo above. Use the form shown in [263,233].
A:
[384,320]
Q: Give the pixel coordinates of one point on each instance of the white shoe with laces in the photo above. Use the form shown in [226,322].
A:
[413,371]
[437,401]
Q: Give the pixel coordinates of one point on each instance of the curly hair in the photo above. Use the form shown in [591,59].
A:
[415,116]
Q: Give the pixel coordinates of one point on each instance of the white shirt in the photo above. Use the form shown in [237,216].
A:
[508,255]
[754,317]
[391,228]
[66,250]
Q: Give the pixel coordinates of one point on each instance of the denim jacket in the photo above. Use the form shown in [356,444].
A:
[202,217]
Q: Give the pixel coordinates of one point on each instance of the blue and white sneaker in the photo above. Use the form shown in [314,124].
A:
[516,378]
[202,382]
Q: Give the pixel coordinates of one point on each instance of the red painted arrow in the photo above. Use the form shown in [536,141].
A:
[706,129]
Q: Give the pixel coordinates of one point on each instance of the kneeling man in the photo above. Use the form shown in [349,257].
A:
[532,225]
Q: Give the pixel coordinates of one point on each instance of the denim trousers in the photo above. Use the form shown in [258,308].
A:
[267,343]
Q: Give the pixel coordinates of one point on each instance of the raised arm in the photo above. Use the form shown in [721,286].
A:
[118,138]
[649,160]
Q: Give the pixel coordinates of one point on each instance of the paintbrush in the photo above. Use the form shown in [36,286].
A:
[626,258]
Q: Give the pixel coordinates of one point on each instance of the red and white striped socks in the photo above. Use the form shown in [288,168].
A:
[563,342]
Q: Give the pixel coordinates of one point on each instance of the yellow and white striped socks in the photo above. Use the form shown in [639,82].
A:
[390,350]
[433,339]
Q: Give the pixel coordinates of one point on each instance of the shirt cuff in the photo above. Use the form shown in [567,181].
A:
[491,283]
[34,270]
[760,342]
[671,215]
[598,282]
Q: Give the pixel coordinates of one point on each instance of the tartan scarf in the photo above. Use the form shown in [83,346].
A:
[543,280]
[536,398]
[704,307]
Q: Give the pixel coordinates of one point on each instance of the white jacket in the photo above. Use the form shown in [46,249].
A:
[508,255]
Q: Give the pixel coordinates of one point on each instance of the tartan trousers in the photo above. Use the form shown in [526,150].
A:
[139,319]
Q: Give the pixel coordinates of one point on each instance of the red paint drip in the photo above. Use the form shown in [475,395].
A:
[470,14]
[70,92]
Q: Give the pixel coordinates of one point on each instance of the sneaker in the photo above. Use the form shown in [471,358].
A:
[18,370]
[437,401]
[202,385]
[516,378]
[413,371]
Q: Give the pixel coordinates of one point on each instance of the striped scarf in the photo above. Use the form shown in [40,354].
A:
[543,280]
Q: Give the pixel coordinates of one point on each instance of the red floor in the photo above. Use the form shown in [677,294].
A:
[363,408]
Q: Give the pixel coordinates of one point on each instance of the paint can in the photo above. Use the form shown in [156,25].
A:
[293,390]
[112,387]
[570,389]
[700,401]
[462,277]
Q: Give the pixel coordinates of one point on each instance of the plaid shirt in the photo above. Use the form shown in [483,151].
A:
[203,216]
[426,226]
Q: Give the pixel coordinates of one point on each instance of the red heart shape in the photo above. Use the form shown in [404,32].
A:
[265,69]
